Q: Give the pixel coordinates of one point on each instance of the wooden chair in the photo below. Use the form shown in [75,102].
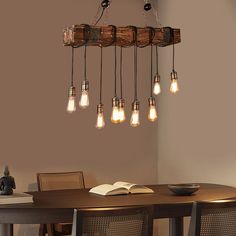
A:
[59,181]
[118,221]
[216,218]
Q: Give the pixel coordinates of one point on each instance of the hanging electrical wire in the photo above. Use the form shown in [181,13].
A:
[150,7]
[111,35]
[101,10]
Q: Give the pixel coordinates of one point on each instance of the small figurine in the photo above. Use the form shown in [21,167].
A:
[7,183]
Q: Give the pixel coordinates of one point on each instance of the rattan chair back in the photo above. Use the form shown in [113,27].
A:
[60,181]
[216,218]
[119,221]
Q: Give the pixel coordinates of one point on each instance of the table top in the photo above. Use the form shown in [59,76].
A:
[166,204]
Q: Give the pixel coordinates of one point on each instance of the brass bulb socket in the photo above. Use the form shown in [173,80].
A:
[135,105]
[99,108]
[72,91]
[173,75]
[151,101]
[115,102]
[157,78]
[121,103]
[85,85]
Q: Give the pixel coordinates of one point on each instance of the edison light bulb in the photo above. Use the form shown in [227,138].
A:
[115,111]
[157,86]
[174,87]
[134,121]
[71,106]
[122,110]
[84,100]
[152,114]
[100,118]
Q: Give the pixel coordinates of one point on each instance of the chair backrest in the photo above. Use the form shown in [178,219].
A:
[118,221]
[216,218]
[59,181]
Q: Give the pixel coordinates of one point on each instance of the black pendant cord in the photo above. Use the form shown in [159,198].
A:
[103,9]
[135,73]
[85,62]
[72,67]
[101,67]
[115,74]
[151,71]
[105,4]
[157,60]
[121,72]
[173,65]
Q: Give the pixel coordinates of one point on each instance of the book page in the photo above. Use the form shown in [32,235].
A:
[134,188]
[108,189]
[124,184]
[16,198]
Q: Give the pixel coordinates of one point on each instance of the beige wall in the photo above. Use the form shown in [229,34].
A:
[196,130]
[37,135]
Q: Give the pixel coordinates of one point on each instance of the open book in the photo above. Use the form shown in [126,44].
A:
[16,198]
[120,188]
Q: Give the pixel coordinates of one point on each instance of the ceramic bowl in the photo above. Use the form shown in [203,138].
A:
[184,189]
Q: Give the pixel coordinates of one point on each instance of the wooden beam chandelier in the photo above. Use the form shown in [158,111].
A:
[122,37]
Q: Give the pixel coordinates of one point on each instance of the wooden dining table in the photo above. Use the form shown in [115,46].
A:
[57,206]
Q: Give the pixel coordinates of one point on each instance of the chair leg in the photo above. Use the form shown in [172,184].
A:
[42,230]
[50,230]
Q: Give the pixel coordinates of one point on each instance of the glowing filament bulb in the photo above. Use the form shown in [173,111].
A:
[115,118]
[122,110]
[71,106]
[174,87]
[134,121]
[84,99]
[157,86]
[100,121]
[100,117]
[152,114]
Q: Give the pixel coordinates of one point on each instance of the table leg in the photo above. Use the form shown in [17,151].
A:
[6,230]
[176,226]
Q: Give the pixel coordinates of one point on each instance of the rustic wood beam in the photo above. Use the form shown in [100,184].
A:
[79,35]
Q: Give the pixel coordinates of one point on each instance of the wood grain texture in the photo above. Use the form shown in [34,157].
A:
[79,35]
[57,206]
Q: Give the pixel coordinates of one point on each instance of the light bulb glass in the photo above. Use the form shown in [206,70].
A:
[134,121]
[115,118]
[122,114]
[152,114]
[84,99]
[157,88]
[174,87]
[122,110]
[71,107]
[100,121]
